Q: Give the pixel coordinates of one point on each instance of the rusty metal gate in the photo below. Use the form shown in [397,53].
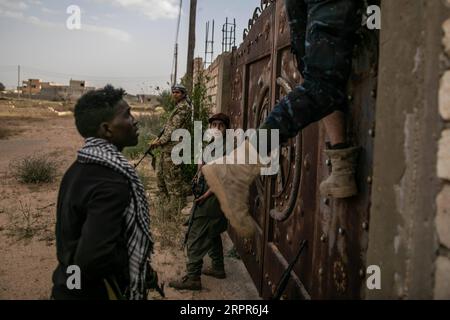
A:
[287,207]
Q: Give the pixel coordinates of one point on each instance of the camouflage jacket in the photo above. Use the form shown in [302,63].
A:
[180,118]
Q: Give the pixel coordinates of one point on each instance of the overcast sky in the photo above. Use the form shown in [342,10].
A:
[128,43]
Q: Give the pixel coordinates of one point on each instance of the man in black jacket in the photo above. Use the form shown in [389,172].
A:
[102,225]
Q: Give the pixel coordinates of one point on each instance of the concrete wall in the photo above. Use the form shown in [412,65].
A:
[224,85]
[403,239]
[442,278]
[218,83]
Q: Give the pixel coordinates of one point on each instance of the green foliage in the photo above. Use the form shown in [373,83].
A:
[200,100]
[34,169]
[151,125]
[201,104]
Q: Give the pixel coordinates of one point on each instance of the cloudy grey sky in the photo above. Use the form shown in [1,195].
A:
[128,43]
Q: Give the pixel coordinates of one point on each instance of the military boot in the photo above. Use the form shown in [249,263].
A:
[229,178]
[187,283]
[218,273]
[341,183]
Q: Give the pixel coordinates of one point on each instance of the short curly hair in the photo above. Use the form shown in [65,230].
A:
[96,107]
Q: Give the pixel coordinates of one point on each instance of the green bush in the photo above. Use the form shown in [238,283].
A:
[34,169]
[201,103]
[151,125]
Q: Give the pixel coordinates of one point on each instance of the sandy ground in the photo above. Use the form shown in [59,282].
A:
[27,263]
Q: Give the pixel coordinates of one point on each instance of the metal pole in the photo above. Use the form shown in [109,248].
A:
[212,43]
[175,54]
[18,81]
[191,45]
[223,36]
[174,81]
[234,33]
[206,45]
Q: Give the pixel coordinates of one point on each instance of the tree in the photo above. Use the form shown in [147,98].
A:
[2,87]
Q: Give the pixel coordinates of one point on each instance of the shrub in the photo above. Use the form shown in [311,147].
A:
[201,103]
[34,169]
[167,224]
[4,133]
[27,222]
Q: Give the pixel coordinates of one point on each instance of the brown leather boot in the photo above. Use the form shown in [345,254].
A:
[229,178]
[216,273]
[187,283]
[341,182]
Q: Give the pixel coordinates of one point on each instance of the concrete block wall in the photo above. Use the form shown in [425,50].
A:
[409,219]
[442,272]
[218,83]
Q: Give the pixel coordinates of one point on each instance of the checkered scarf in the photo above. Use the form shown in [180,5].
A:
[137,219]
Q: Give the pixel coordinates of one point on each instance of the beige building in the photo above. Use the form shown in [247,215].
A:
[31,86]
[53,91]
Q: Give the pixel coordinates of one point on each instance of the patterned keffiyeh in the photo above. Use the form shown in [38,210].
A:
[137,219]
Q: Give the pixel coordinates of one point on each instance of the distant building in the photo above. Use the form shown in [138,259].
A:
[31,86]
[53,91]
[77,88]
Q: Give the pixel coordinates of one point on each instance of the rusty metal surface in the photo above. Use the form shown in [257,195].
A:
[287,207]
[251,101]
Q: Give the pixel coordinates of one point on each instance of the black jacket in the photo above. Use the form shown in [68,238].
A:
[90,231]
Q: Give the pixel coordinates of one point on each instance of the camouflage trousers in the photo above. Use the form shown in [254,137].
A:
[323,36]
[170,181]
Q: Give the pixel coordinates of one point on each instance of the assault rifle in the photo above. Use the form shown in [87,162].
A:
[287,273]
[198,189]
[149,152]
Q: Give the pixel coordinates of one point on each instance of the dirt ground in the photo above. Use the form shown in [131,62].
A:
[27,261]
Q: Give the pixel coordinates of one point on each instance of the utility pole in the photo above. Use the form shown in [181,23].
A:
[175,54]
[191,46]
[175,73]
[18,81]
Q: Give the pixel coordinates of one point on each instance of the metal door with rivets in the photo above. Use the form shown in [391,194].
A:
[287,207]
